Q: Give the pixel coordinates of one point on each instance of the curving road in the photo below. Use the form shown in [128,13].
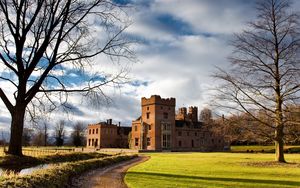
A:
[110,177]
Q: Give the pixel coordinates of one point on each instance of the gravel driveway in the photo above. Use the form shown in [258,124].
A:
[109,177]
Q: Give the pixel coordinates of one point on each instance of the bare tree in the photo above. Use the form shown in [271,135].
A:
[41,41]
[40,136]
[206,116]
[78,134]
[45,133]
[27,136]
[59,133]
[265,68]
[293,124]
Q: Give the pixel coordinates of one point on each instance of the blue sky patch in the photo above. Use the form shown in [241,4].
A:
[173,25]
[138,83]
[122,2]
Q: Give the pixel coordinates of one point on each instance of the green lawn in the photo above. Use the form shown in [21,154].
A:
[257,148]
[214,170]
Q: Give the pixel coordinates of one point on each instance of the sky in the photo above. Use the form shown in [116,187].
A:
[180,43]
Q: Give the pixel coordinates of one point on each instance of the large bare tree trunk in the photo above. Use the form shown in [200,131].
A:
[17,124]
[279,155]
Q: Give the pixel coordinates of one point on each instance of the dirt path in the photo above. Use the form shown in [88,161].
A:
[110,177]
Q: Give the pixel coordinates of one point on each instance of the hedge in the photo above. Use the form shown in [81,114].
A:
[60,175]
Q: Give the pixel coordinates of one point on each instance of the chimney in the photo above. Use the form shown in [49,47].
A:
[110,121]
[119,124]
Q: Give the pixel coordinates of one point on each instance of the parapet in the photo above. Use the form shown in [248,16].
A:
[156,99]
[108,123]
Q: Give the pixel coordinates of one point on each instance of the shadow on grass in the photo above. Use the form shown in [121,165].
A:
[237,180]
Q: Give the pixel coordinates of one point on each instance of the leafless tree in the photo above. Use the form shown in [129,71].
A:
[41,133]
[292,130]
[206,115]
[27,136]
[78,134]
[59,132]
[265,68]
[43,41]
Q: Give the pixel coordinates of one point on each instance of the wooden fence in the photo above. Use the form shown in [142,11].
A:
[36,151]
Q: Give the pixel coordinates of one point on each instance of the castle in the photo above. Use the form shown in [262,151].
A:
[160,128]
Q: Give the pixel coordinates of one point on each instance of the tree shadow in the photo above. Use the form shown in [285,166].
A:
[221,179]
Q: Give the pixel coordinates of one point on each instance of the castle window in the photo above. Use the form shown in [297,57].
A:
[148,115]
[195,133]
[136,141]
[192,143]
[179,143]
[135,128]
[89,131]
[149,127]
[165,115]
[89,142]
[148,141]
[147,107]
[212,140]
[166,126]
[96,131]
[96,142]
[92,142]
[219,141]
[93,131]
[179,133]
[166,141]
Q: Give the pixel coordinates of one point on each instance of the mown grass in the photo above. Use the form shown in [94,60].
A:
[267,149]
[215,170]
[58,175]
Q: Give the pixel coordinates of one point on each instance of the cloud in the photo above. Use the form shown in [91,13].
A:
[205,16]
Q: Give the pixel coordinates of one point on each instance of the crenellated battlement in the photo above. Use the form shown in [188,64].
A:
[156,99]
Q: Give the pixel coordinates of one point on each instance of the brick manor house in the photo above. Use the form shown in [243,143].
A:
[160,128]
[107,135]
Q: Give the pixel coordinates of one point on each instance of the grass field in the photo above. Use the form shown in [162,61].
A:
[215,170]
[257,148]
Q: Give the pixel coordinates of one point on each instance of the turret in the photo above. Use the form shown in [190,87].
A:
[193,113]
